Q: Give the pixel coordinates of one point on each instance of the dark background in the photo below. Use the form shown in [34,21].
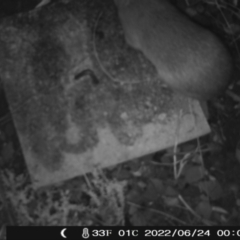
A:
[11,7]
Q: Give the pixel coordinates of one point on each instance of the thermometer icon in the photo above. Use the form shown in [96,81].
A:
[85,233]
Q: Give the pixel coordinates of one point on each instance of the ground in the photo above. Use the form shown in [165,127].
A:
[195,183]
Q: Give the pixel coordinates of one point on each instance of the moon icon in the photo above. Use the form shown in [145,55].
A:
[63,233]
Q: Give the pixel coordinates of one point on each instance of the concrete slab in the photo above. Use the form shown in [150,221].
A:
[81,98]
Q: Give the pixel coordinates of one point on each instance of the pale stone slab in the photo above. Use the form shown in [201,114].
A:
[81,98]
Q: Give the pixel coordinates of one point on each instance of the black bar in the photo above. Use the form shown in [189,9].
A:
[58,233]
